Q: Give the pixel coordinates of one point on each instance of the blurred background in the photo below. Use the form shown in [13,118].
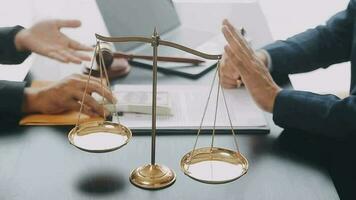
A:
[284,18]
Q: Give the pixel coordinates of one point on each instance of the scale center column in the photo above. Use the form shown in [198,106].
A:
[153,176]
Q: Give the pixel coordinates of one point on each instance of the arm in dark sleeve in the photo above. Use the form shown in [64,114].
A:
[320,114]
[11,94]
[319,47]
[8,52]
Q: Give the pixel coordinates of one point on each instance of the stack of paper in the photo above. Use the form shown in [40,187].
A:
[139,101]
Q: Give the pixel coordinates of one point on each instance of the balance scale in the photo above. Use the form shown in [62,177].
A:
[213,165]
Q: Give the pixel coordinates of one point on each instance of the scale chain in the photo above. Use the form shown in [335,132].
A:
[216,108]
[204,113]
[228,114]
[101,65]
[86,85]
[205,110]
[103,68]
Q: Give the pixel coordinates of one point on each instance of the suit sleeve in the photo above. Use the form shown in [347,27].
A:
[320,47]
[320,114]
[8,52]
[11,94]
[315,48]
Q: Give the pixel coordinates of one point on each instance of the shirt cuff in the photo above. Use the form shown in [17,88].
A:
[269,59]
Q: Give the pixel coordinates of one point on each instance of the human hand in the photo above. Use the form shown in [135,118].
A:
[229,75]
[45,38]
[253,71]
[66,95]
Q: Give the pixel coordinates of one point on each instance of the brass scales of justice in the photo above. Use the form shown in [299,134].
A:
[212,165]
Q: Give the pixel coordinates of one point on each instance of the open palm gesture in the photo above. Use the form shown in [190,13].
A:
[45,38]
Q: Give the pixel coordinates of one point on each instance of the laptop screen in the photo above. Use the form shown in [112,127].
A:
[137,18]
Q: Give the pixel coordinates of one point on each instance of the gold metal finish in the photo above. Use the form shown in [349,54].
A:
[148,176]
[214,165]
[152,176]
[99,137]
[161,42]
[155,43]
[208,164]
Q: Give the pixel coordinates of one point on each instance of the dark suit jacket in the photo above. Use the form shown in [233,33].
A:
[322,46]
[11,93]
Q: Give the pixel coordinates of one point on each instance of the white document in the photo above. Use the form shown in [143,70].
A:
[188,104]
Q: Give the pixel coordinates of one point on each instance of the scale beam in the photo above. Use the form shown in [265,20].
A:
[160,42]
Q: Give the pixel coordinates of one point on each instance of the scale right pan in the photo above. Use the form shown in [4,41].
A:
[214,165]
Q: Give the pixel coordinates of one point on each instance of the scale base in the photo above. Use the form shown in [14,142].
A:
[152,176]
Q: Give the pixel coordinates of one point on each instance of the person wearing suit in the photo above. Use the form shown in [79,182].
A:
[324,116]
[315,48]
[44,38]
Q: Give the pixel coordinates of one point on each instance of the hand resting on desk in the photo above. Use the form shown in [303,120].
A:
[66,95]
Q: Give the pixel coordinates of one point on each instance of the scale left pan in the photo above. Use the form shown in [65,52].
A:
[99,136]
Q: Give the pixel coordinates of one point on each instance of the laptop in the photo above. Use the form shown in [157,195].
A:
[139,17]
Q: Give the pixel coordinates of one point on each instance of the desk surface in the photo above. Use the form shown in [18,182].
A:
[39,162]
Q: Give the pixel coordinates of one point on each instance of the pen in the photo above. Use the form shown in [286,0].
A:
[239,82]
[243,31]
